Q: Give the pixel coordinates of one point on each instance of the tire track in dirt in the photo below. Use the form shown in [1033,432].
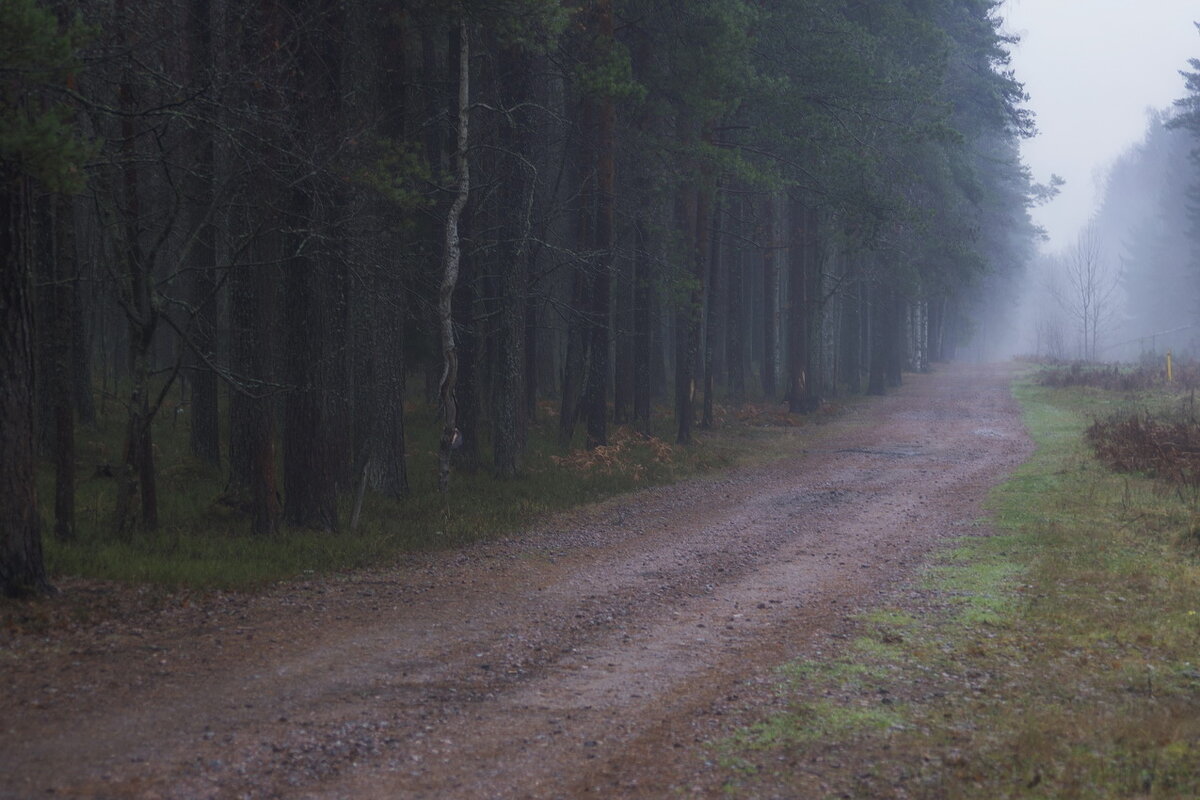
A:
[588,655]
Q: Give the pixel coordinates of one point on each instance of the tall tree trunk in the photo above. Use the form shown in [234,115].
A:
[381,311]
[575,358]
[798,308]
[22,570]
[642,278]
[314,417]
[367,351]
[81,349]
[55,320]
[851,335]
[60,331]
[878,332]
[253,483]
[735,347]
[643,323]
[452,255]
[895,338]
[468,315]
[205,428]
[712,314]
[816,364]
[696,208]
[138,475]
[532,351]
[596,398]
[623,327]
[309,471]
[253,480]
[770,272]
[579,323]
[937,327]
[387,468]
[509,385]
[204,436]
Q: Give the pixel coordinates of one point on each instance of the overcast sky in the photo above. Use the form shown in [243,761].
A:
[1092,68]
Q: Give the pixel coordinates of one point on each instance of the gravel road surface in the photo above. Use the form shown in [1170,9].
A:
[592,656]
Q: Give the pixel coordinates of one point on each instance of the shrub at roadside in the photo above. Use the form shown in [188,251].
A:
[1115,378]
[1163,449]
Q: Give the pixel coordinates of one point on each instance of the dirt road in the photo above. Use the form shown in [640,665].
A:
[596,654]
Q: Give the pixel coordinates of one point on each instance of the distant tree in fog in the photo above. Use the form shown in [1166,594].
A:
[1088,294]
[1188,119]
[1144,219]
[1051,340]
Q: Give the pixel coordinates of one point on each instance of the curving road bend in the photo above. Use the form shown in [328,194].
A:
[593,655]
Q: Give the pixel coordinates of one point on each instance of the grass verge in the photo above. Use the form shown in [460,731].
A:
[1055,653]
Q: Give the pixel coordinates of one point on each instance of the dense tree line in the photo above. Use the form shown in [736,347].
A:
[1180,201]
[1144,228]
[305,211]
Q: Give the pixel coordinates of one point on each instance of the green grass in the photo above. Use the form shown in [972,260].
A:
[1055,657]
[201,543]
[817,721]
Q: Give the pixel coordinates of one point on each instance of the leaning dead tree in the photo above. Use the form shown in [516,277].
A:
[453,253]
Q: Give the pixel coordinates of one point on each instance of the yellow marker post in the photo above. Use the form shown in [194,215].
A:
[1170,372]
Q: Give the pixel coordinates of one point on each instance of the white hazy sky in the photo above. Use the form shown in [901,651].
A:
[1092,69]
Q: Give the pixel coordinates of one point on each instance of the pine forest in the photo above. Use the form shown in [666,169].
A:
[345,248]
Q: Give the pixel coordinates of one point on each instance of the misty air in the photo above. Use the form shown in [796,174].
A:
[599,398]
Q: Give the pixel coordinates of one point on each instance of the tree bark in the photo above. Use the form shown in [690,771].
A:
[623,325]
[309,471]
[468,316]
[509,386]
[452,255]
[596,395]
[60,330]
[138,475]
[712,314]
[579,326]
[253,479]
[798,308]
[22,570]
[314,436]
[204,435]
[643,323]
[894,338]
[387,470]
[735,347]
[877,333]
[253,485]
[81,350]
[696,208]
[770,272]
[532,352]
[851,336]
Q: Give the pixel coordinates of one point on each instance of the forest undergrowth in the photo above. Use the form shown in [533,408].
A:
[203,541]
[1051,652]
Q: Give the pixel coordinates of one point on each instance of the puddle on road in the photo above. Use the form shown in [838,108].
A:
[894,451]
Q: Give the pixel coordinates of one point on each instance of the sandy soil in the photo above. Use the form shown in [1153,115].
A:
[595,655]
